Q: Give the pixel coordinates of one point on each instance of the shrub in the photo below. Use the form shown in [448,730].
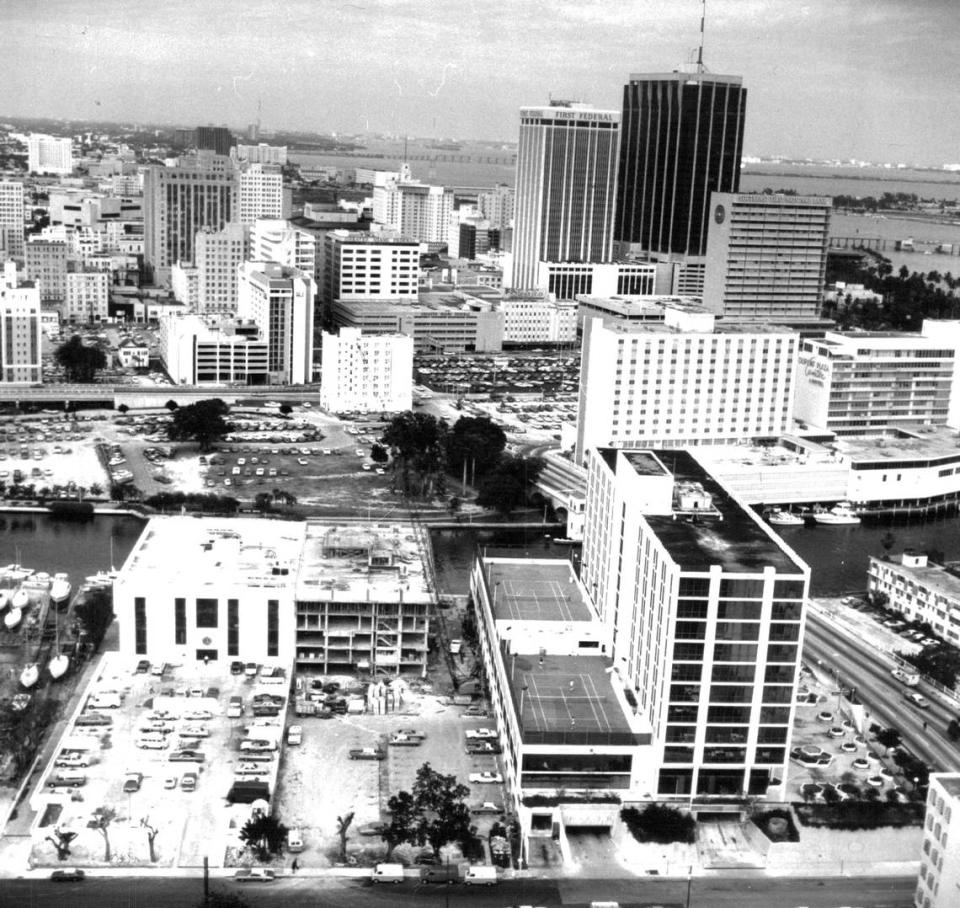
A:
[773,831]
[659,823]
[871,813]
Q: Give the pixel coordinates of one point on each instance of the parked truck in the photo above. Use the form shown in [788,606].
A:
[480,875]
[441,873]
[387,873]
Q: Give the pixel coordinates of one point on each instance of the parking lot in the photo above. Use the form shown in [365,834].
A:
[313,800]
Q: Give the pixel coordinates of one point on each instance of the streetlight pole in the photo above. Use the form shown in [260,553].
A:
[689,885]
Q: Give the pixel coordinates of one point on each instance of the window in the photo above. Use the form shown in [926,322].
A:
[233,627]
[273,627]
[206,613]
[735,652]
[739,715]
[719,734]
[140,624]
[180,621]
[740,610]
[731,693]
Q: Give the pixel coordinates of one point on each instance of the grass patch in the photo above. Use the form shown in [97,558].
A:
[777,825]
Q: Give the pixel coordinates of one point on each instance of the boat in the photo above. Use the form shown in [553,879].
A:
[838,515]
[12,618]
[60,589]
[781,518]
[58,665]
[21,599]
[30,674]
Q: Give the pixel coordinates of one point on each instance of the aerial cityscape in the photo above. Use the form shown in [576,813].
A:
[510,458]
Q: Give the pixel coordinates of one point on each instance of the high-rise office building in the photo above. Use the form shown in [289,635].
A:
[217,139]
[566,187]
[260,192]
[496,205]
[218,253]
[705,609]
[681,140]
[416,210]
[201,191]
[49,154]
[280,301]
[11,220]
[767,256]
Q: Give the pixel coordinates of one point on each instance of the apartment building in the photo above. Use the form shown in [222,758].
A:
[49,154]
[274,240]
[219,254]
[11,220]
[259,192]
[46,265]
[87,298]
[938,884]
[423,213]
[19,331]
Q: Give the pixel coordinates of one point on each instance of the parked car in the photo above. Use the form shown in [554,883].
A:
[485,777]
[399,740]
[72,759]
[373,829]
[132,781]
[197,715]
[254,875]
[68,875]
[189,781]
[367,753]
[483,747]
[143,666]
[187,756]
[487,807]
[170,782]
[911,679]
[412,733]
[194,731]
[482,734]
[236,668]
[294,734]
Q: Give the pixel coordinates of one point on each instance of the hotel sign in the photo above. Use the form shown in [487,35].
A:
[814,369]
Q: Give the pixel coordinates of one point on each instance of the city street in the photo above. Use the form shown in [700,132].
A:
[728,892]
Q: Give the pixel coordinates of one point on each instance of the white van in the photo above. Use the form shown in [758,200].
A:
[294,841]
[67,780]
[107,699]
[152,742]
[387,873]
[480,875]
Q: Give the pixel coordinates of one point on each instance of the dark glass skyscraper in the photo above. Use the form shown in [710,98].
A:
[681,137]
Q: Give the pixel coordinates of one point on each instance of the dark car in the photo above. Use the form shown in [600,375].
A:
[143,666]
[93,719]
[187,756]
[236,668]
[67,875]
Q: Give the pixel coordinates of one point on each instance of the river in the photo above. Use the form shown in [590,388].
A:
[837,555]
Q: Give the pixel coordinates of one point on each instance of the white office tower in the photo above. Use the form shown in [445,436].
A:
[938,885]
[496,206]
[363,266]
[11,220]
[766,256]
[219,253]
[273,240]
[261,153]
[88,297]
[19,331]
[260,192]
[704,605]
[684,382]
[416,210]
[366,373]
[566,187]
[280,301]
[49,154]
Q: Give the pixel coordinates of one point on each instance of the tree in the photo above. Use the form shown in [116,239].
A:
[418,442]
[96,488]
[80,362]
[263,501]
[887,737]
[285,409]
[476,441]
[343,825]
[404,822]
[95,613]
[659,823]
[265,834]
[102,818]
[504,488]
[123,408]
[444,817]
[204,422]
[172,405]
[61,842]
[152,832]
[379,454]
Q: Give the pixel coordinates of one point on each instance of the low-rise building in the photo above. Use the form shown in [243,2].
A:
[924,592]
[366,373]
[537,318]
[133,355]
[88,297]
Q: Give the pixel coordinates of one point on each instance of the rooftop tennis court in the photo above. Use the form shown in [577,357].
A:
[536,591]
[568,696]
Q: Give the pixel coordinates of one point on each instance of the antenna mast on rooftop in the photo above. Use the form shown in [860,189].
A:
[703,16]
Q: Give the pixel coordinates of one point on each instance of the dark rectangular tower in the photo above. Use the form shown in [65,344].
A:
[681,139]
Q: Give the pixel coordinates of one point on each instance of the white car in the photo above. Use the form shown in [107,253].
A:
[485,777]
[911,679]
[482,734]
[294,734]
[917,700]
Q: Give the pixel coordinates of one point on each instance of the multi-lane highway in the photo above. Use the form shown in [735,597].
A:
[923,730]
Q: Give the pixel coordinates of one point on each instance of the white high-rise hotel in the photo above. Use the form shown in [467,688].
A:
[685,382]
[49,154]
[260,192]
[566,187]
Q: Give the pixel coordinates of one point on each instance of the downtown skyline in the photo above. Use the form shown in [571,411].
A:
[841,80]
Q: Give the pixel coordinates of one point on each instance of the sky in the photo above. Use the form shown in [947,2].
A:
[864,79]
